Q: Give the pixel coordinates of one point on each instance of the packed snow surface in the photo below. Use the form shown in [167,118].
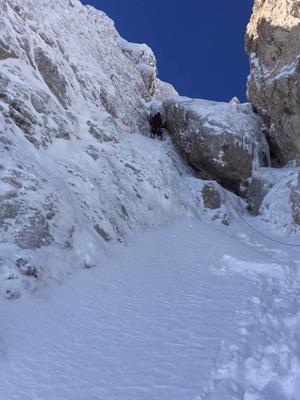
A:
[189,311]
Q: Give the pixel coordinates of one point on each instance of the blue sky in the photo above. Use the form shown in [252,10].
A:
[199,44]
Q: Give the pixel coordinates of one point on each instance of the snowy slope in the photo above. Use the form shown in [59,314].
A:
[186,312]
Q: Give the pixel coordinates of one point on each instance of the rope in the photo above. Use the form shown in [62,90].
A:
[254,229]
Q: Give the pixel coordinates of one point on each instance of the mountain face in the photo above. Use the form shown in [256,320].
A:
[77,170]
[273,44]
[201,308]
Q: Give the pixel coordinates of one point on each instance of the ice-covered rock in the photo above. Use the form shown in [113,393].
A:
[221,141]
[274,83]
[75,170]
[142,56]
[274,195]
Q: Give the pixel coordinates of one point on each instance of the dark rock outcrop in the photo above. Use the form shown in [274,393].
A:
[6,52]
[52,77]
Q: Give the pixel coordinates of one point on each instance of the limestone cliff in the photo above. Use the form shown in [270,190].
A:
[273,44]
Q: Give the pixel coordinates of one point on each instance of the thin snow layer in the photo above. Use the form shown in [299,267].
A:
[219,114]
[180,314]
[260,72]
[164,90]
[142,56]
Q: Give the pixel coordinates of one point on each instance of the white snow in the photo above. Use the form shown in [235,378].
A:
[186,311]
[181,313]
[238,117]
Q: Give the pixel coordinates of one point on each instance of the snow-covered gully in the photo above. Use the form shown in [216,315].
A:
[179,314]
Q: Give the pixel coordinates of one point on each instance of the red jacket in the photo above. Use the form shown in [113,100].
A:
[157,121]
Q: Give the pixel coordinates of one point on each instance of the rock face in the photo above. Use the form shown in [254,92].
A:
[221,141]
[274,196]
[214,202]
[142,56]
[273,44]
[77,169]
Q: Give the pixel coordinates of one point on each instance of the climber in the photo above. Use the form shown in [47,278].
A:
[157,123]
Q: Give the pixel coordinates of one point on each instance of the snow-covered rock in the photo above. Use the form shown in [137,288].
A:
[164,90]
[142,56]
[221,141]
[75,170]
[274,48]
[274,195]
